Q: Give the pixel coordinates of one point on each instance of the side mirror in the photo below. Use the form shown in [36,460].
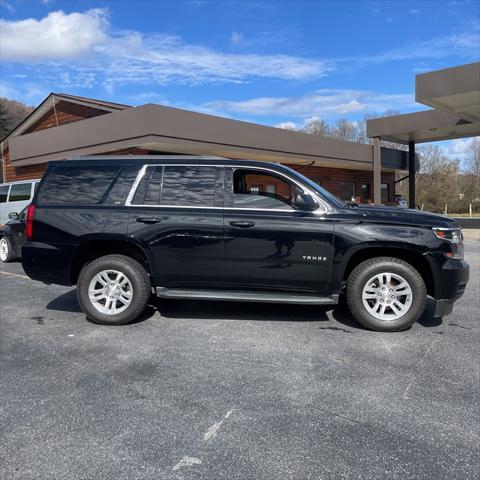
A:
[13,216]
[306,202]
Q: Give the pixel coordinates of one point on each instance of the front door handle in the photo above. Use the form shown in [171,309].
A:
[149,219]
[242,224]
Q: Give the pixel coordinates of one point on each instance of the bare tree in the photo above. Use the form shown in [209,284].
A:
[316,126]
[437,179]
[472,162]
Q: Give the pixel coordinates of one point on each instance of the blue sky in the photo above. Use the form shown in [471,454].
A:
[261,61]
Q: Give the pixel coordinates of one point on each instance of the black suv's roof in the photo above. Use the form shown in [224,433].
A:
[166,159]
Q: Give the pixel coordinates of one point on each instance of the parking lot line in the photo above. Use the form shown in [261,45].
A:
[14,275]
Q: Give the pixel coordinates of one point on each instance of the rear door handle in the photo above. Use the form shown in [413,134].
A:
[149,219]
[242,224]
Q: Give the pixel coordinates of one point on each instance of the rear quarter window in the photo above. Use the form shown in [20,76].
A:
[83,185]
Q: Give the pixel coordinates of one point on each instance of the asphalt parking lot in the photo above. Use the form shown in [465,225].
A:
[207,390]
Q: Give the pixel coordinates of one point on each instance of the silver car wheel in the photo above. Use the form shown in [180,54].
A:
[387,296]
[3,249]
[110,292]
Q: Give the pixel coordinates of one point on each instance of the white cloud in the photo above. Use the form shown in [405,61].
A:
[82,50]
[414,11]
[236,38]
[7,5]
[58,36]
[320,103]
[459,148]
[461,43]
[287,125]
[29,92]
[86,43]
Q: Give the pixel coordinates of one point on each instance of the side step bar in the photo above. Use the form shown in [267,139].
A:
[234,296]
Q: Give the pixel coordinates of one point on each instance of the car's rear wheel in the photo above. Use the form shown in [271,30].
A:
[7,253]
[386,294]
[113,290]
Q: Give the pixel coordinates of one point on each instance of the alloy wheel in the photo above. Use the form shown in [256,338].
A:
[387,296]
[110,292]
[3,249]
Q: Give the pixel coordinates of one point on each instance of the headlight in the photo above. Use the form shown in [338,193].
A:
[455,238]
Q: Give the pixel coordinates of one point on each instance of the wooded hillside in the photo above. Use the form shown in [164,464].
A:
[11,114]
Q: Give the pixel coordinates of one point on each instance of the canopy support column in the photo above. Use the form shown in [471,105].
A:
[377,172]
[411,174]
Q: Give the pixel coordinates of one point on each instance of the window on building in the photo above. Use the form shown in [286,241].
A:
[20,192]
[385,192]
[347,191]
[366,192]
[258,190]
[177,186]
[4,193]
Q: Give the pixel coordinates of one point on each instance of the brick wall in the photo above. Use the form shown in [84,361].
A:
[330,179]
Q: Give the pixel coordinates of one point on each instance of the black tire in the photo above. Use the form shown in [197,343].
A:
[139,280]
[10,253]
[363,272]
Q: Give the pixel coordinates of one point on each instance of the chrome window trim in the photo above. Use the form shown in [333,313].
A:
[141,173]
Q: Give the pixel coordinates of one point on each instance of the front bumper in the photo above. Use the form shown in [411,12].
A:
[443,308]
[451,283]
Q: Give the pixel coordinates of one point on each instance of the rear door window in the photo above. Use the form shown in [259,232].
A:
[179,186]
[20,192]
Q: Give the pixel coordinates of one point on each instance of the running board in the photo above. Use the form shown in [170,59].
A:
[234,296]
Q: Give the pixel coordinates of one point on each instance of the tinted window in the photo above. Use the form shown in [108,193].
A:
[153,194]
[19,192]
[177,186]
[189,186]
[77,184]
[255,189]
[4,193]
[121,188]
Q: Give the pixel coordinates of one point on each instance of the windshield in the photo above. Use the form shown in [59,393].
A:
[334,201]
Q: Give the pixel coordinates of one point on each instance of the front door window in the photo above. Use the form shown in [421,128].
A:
[254,189]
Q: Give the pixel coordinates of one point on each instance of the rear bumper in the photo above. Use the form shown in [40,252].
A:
[47,263]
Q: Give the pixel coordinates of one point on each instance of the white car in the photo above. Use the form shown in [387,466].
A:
[15,196]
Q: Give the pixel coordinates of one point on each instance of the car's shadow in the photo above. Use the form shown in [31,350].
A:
[219,310]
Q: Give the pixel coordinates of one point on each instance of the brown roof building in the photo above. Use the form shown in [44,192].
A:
[64,126]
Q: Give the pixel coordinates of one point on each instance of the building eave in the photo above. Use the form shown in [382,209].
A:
[163,128]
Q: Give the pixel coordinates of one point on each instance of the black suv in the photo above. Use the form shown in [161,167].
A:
[122,228]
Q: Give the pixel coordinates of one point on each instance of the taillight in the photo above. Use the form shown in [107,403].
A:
[29,223]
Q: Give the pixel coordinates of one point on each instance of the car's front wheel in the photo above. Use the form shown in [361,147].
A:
[113,290]
[386,294]
[6,251]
